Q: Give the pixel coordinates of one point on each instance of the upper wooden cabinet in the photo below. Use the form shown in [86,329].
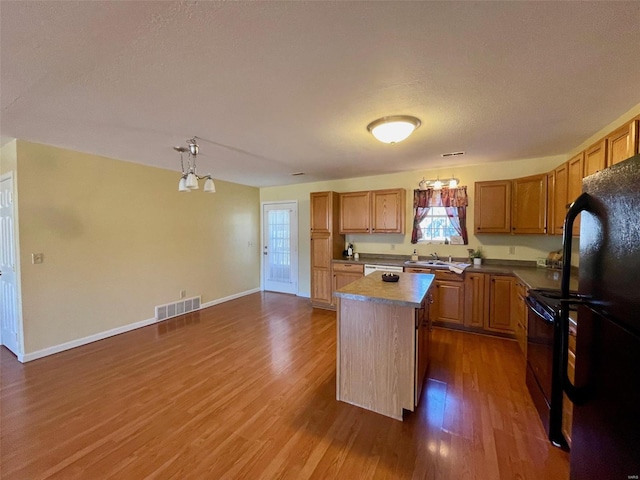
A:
[529,213]
[595,158]
[574,186]
[387,211]
[492,210]
[377,211]
[321,211]
[355,214]
[622,143]
[551,188]
[559,198]
[511,206]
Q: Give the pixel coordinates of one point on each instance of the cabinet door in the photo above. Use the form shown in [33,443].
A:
[422,348]
[492,211]
[520,313]
[551,196]
[529,204]
[449,302]
[321,270]
[342,279]
[477,301]
[574,189]
[355,212]
[595,158]
[622,143]
[321,207]
[560,197]
[388,211]
[500,311]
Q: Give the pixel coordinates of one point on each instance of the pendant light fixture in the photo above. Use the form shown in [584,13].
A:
[189,179]
[393,129]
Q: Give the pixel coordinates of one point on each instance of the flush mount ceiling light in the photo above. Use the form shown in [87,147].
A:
[393,129]
[189,179]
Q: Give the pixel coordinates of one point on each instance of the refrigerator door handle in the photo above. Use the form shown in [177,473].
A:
[583,203]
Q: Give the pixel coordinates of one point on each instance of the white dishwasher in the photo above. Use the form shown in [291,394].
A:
[381,268]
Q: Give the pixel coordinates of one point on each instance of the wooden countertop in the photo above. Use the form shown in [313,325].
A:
[408,291]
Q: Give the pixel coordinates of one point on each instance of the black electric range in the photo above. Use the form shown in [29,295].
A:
[544,357]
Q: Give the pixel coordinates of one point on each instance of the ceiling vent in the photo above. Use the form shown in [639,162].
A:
[452,154]
[297,174]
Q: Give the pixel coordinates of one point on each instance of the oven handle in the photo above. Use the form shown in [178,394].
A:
[532,309]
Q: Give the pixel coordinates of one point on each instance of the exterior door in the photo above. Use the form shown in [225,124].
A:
[8,285]
[280,247]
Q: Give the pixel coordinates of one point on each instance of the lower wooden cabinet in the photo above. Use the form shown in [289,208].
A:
[520,315]
[476,300]
[320,254]
[345,273]
[448,296]
[500,300]
[423,342]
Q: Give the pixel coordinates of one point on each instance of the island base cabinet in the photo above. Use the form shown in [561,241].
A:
[376,356]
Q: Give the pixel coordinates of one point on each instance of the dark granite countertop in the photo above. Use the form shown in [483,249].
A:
[408,291]
[526,271]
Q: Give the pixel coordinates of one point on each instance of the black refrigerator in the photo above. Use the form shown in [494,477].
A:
[606,393]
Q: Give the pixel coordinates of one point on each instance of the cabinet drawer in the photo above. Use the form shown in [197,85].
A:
[448,276]
[417,270]
[348,267]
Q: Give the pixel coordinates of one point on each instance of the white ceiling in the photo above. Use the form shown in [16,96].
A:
[274,88]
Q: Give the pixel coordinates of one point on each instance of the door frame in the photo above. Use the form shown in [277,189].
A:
[295,235]
[16,244]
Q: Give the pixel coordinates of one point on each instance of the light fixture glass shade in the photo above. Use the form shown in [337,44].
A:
[182,185]
[209,186]
[453,183]
[192,181]
[393,129]
[437,185]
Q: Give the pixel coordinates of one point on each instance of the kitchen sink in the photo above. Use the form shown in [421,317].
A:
[428,263]
[436,264]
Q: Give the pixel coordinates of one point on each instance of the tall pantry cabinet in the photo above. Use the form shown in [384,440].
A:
[326,244]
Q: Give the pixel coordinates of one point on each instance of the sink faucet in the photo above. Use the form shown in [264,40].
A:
[434,256]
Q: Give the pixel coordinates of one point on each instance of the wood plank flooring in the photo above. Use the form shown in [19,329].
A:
[246,389]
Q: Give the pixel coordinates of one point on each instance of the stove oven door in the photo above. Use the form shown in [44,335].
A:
[540,339]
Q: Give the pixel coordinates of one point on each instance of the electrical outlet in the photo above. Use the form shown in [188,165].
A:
[37,258]
[393,247]
[183,293]
[512,250]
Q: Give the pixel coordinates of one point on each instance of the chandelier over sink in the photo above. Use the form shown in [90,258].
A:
[189,178]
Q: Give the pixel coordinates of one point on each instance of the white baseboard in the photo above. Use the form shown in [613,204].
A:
[230,297]
[45,352]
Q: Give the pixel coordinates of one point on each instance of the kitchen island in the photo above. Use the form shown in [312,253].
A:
[383,342]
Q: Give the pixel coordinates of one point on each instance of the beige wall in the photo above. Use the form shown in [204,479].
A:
[527,247]
[604,131]
[119,239]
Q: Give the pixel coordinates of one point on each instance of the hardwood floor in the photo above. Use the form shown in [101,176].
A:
[246,389]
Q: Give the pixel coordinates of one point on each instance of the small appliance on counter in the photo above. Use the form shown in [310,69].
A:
[554,259]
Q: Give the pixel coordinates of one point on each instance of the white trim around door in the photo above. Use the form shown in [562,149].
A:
[279,246]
